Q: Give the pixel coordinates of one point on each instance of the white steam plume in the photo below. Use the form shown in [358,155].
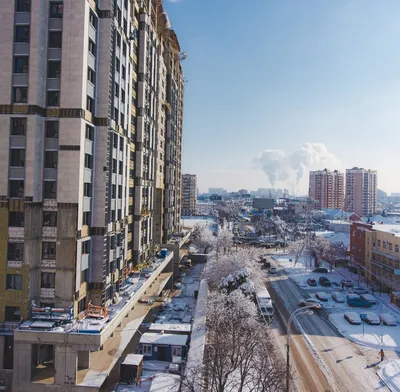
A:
[290,169]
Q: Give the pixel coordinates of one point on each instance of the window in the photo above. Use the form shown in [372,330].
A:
[87,189]
[22,33]
[12,313]
[124,49]
[118,40]
[23,6]
[122,119]
[84,278]
[48,280]
[53,98]
[379,243]
[146,349]
[384,244]
[119,191]
[92,47]
[85,247]
[176,351]
[49,250]
[116,115]
[52,129]
[117,64]
[114,166]
[113,191]
[20,94]
[49,218]
[91,75]
[121,143]
[15,251]
[18,126]
[396,248]
[124,72]
[16,188]
[390,246]
[86,219]
[21,64]
[120,167]
[122,96]
[89,132]
[56,9]
[50,190]
[16,219]
[54,69]
[90,104]
[117,90]
[17,157]
[88,161]
[55,39]
[14,282]
[93,19]
[50,159]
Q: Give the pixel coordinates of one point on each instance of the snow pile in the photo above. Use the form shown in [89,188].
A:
[390,375]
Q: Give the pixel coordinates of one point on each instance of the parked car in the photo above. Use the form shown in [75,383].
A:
[369,298]
[359,290]
[324,281]
[310,302]
[312,282]
[358,302]
[388,319]
[272,270]
[352,318]
[347,283]
[370,318]
[322,296]
[352,295]
[321,270]
[338,297]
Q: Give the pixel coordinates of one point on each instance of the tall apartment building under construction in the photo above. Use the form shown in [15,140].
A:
[90,157]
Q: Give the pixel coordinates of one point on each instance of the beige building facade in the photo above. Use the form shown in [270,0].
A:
[189,194]
[327,188]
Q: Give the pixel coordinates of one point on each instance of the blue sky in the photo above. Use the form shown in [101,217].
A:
[272,75]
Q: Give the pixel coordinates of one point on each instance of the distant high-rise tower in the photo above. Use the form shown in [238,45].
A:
[327,188]
[189,194]
[361,191]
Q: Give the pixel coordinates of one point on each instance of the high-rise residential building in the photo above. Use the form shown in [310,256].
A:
[361,191]
[90,156]
[189,194]
[327,188]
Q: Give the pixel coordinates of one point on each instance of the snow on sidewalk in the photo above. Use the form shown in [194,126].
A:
[390,375]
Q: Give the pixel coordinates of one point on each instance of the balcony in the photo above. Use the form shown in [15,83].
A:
[14,263]
[16,232]
[47,293]
[49,232]
[48,265]
[386,253]
[8,327]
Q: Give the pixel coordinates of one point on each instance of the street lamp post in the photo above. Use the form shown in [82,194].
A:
[304,310]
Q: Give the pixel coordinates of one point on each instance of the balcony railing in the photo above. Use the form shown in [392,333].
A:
[8,327]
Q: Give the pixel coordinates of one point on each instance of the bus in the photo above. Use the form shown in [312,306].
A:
[264,304]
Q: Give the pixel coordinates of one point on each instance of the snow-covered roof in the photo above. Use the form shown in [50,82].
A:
[333,237]
[263,294]
[133,359]
[379,219]
[171,327]
[165,382]
[392,229]
[163,338]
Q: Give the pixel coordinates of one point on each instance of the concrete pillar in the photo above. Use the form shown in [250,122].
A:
[65,363]
[22,369]
[1,352]
[83,359]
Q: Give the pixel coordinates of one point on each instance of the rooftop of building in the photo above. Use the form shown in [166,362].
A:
[391,229]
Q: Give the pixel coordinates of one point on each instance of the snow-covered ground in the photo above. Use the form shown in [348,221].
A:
[390,374]
[371,336]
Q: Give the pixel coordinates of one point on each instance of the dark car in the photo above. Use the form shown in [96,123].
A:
[323,281]
[312,282]
[321,270]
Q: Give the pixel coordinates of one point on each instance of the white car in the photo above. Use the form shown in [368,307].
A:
[338,297]
[351,295]
[352,318]
[322,296]
[388,319]
[372,318]
[359,290]
[370,298]
[310,302]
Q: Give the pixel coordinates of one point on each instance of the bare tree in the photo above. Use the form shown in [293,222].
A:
[243,357]
[297,249]
[203,238]
[224,241]
[316,249]
[336,252]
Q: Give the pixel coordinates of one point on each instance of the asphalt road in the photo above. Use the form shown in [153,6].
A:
[324,360]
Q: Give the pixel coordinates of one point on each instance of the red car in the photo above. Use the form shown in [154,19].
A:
[312,282]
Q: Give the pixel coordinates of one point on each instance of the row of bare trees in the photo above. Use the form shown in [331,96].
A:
[204,239]
[240,354]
